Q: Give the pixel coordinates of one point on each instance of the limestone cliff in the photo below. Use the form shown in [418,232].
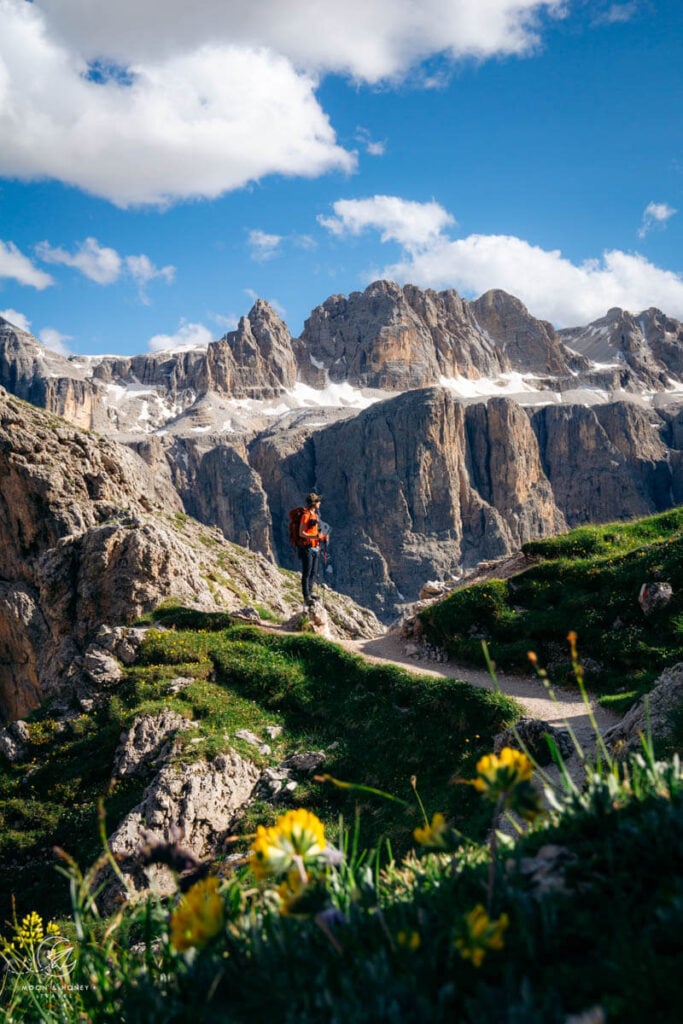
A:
[91,533]
[418,486]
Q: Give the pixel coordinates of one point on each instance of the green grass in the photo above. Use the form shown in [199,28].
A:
[588,581]
[380,726]
[604,931]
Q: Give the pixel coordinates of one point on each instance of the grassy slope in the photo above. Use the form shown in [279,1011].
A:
[382,724]
[588,581]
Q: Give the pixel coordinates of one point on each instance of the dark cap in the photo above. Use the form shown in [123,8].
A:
[313,497]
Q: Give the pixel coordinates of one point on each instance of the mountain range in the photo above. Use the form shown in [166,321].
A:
[441,431]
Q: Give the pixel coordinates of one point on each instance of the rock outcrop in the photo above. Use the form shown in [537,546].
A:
[92,535]
[654,715]
[199,802]
[646,347]
[420,486]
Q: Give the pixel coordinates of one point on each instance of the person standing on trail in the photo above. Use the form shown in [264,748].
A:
[308,544]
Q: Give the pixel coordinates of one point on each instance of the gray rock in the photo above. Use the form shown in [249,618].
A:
[101,666]
[249,737]
[545,872]
[150,738]
[21,731]
[653,596]
[247,614]
[11,748]
[180,683]
[655,713]
[304,763]
[532,732]
[199,801]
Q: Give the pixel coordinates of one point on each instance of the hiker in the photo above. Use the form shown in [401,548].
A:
[308,540]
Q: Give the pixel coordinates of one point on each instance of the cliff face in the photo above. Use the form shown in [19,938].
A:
[388,337]
[422,484]
[92,533]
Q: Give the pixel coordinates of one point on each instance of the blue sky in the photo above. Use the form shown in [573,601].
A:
[162,164]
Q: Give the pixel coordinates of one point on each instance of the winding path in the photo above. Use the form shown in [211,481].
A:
[567,707]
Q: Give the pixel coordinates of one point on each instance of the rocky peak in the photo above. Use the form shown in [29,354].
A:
[530,345]
[256,360]
[401,338]
[646,345]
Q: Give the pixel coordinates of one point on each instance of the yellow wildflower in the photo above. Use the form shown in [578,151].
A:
[408,940]
[30,931]
[479,934]
[500,772]
[435,834]
[506,778]
[198,916]
[297,839]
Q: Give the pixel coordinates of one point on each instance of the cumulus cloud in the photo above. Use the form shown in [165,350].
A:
[398,220]
[96,262]
[188,335]
[104,265]
[55,340]
[14,265]
[193,120]
[263,246]
[548,283]
[655,215]
[142,270]
[162,101]
[368,39]
[16,319]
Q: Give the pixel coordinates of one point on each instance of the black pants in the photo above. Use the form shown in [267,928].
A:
[309,569]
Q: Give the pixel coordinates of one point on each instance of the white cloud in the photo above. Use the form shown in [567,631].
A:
[263,246]
[96,262]
[617,14]
[655,214]
[397,220]
[16,319]
[164,100]
[227,323]
[104,265]
[142,270]
[55,340]
[548,283]
[13,264]
[368,39]
[372,147]
[196,117]
[188,335]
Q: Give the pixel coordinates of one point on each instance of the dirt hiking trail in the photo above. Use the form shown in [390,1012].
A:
[568,706]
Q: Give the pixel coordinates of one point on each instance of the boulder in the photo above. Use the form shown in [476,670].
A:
[533,732]
[199,801]
[653,596]
[653,714]
[150,738]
